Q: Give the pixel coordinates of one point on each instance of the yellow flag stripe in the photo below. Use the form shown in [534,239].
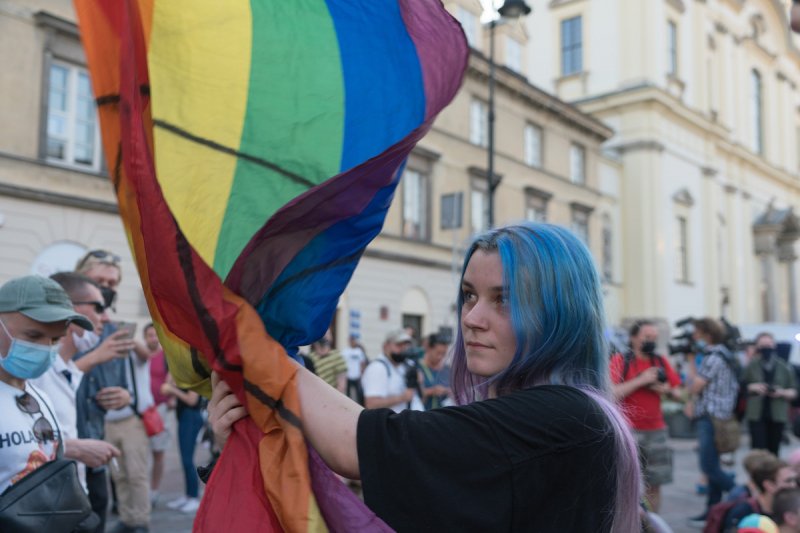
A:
[199,61]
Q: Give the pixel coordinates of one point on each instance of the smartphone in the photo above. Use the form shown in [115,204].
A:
[128,327]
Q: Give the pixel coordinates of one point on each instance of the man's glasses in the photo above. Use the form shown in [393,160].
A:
[99,307]
[42,429]
[100,255]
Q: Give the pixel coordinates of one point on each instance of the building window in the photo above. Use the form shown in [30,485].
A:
[571,46]
[672,48]
[533,145]
[72,135]
[580,222]
[469,22]
[451,210]
[415,205]
[513,54]
[577,164]
[536,205]
[681,249]
[479,206]
[478,123]
[756,110]
[608,249]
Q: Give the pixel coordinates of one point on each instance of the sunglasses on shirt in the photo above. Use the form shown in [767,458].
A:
[42,429]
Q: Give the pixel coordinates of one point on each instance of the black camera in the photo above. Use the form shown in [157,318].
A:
[770,389]
[683,342]
[410,365]
[662,375]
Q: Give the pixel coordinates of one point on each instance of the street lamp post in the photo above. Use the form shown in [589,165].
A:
[511,9]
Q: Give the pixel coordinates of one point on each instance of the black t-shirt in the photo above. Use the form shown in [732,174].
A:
[538,460]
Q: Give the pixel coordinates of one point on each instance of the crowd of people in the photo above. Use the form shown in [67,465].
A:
[723,386]
[532,416]
[73,379]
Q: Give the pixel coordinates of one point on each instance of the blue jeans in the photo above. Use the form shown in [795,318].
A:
[719,481]
[190,422]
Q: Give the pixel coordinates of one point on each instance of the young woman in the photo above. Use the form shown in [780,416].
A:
[536,443]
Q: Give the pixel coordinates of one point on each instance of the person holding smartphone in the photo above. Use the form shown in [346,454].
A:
[111,391]
[770,386]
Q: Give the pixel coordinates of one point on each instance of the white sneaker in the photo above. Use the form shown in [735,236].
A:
[177,504]
[153,498]
[190,506]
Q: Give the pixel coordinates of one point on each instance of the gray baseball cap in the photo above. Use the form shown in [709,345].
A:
[41,299]
[398,336]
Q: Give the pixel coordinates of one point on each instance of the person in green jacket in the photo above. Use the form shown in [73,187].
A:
[770,386]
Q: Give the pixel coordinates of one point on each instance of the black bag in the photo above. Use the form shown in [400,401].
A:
[50,499]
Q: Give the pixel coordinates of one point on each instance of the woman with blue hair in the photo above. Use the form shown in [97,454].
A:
[535,444]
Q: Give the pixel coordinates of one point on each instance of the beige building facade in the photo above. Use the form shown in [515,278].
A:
[703,98]
[56,201]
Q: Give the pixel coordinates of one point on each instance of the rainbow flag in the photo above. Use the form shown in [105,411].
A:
[255,147]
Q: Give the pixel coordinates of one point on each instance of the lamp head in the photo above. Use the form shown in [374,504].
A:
[513,9]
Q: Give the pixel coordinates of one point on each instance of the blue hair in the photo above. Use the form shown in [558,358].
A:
[556,310]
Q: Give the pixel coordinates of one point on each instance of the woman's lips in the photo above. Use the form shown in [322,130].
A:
[474,344]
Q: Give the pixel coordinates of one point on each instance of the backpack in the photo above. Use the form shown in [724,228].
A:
[740,406]
[715,520]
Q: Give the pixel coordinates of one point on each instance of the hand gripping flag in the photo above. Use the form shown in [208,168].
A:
[254,147]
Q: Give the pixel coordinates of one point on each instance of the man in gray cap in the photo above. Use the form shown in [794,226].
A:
[34,315]
[384,379]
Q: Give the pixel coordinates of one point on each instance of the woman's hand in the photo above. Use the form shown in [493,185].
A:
[224,409]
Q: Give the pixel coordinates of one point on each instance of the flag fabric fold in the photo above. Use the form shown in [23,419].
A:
[255,147]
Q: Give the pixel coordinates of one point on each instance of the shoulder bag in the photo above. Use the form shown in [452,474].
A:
[153,424]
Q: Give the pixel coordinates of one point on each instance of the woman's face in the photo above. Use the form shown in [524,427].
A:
[489,340]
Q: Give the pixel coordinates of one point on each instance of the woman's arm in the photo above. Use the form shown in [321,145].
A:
[330,419]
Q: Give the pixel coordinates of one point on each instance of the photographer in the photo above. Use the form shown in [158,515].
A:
[384,380]
[715,387]
[640,377]
[770,386]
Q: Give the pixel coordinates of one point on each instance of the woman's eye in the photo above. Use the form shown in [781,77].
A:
[468,296]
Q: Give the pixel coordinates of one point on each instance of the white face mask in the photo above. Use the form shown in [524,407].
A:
[87,342]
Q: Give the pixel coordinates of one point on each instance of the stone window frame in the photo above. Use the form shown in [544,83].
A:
[62,45]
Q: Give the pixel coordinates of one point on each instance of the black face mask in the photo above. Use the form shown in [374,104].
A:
[398,357]
[766,352]
[109,295]
[648,347]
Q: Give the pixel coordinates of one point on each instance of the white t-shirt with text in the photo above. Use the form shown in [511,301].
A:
[20,452]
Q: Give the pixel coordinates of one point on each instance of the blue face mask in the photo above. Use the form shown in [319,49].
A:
[27,360]
[701,345]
